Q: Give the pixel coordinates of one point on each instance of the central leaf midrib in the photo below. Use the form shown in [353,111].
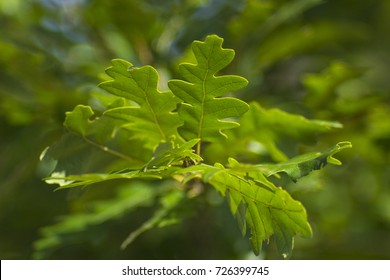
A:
[200,130]
[150,106]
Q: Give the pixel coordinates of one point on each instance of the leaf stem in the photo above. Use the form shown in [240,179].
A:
[198,148]
[110,151]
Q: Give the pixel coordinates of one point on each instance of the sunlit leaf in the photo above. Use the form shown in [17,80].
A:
[72,181]
[169,153]
[103,132]
[203,113]
[268,126]
[150,118]
[267,209]
[146,121]
[261,130]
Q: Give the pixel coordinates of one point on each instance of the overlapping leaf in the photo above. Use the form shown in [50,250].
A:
[165,156]
[256,202]
[97,130]
[93,144]
[262,130]
[150,118]
[144,119]
[169,153]
[205,115]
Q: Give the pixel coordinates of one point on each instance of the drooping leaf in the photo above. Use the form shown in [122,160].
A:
[150,118]
[256,202]
[203,113]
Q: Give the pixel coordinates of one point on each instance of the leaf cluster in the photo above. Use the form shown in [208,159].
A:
[147,134]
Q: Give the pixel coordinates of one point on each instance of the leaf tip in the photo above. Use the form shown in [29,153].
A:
[338,147]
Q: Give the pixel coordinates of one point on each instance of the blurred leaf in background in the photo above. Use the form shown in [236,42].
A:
[325,60]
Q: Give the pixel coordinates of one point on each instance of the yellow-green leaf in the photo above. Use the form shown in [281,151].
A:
[203,113]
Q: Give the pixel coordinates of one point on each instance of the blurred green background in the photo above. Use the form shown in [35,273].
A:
[322,59]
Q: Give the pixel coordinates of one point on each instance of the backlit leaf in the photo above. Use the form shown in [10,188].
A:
[169,153]
[267,209]
[72,181]
[105,134]
[150,118]
[203,113]
[158,136]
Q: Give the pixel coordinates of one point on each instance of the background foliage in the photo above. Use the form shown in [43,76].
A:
[322,59]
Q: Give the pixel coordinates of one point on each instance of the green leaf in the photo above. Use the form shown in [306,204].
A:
[155,134]
[169,153]
[94,144]
[150,118]
[205,115]
[75,120]
[72,181]
[104,133]
[267,209]
[263,130]
[166,155]
[302,165]
[268,126]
